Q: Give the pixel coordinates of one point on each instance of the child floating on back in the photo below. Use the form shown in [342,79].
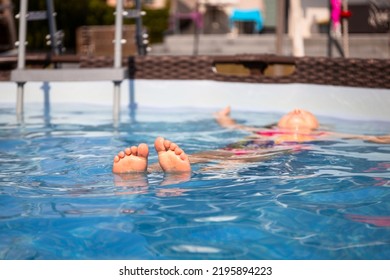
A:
[297,126]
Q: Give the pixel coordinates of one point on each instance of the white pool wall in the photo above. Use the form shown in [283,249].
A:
[335,101]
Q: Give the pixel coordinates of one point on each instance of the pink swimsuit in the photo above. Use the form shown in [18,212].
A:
[249,146]
[270,133]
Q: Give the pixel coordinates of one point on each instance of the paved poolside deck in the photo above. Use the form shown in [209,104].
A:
[361,45]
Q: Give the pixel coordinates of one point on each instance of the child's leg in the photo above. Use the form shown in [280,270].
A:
[173,159]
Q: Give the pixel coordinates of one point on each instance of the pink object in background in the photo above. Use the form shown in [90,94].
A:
[336,15]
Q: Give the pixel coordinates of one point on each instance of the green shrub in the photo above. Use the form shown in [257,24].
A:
[156,22]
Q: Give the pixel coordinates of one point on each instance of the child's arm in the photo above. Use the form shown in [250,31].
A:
[223,119]
[380,139]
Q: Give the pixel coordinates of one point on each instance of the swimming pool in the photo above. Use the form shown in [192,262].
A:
[59,199]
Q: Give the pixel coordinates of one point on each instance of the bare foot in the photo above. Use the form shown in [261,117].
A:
[134,159]
[171,157]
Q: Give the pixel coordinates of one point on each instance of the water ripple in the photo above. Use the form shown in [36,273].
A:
[59,199]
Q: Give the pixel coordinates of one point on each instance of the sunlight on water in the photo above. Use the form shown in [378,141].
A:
[60,200]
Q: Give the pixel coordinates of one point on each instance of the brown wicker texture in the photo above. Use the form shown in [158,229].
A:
[5,75]
[373,73]
[171,67]
[99,62]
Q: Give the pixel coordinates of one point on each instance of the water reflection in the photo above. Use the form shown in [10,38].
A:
[137,183]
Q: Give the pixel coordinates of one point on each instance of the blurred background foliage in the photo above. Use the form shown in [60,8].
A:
[72,14]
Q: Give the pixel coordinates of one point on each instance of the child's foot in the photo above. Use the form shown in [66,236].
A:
[171,157]
[134,159]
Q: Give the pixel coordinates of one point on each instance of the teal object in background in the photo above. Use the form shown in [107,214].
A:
[253,15]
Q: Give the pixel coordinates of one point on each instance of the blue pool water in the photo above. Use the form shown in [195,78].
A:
[59,199]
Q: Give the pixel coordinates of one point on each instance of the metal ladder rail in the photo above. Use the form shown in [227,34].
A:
[117,74]
[55,35]
[141,37]
[54,39]
[56,45]
[21,54]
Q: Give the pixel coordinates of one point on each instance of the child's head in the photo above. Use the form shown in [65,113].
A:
[298,119]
